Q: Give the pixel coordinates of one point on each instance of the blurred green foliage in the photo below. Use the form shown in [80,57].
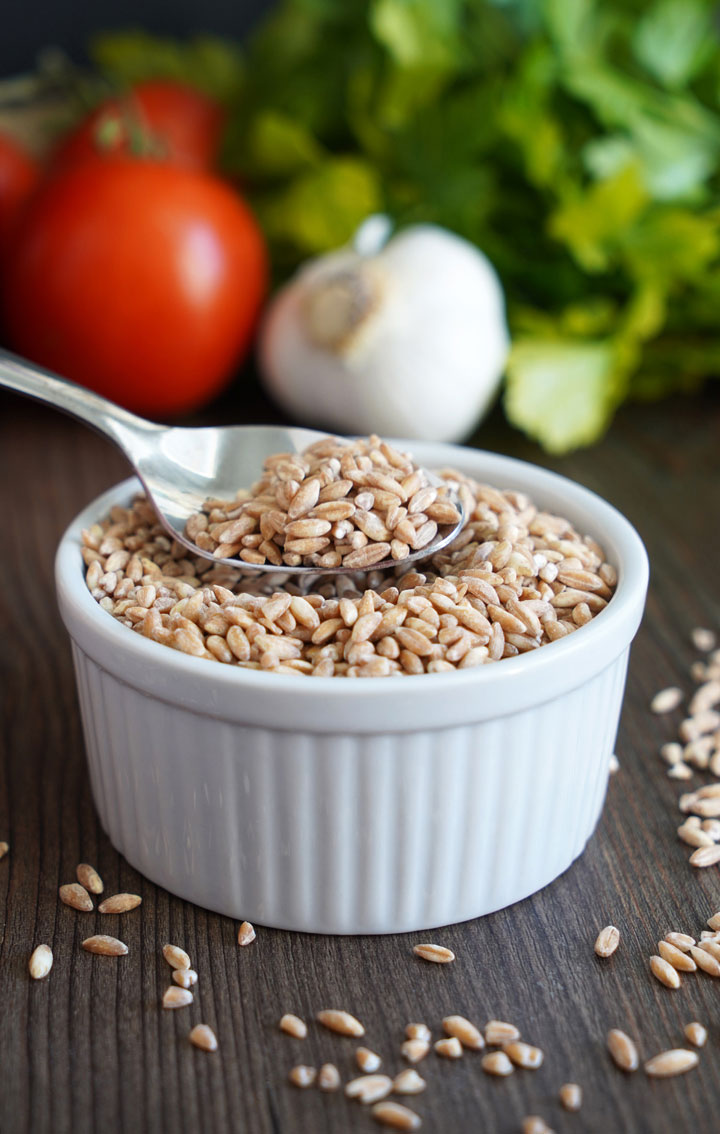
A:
[576,142]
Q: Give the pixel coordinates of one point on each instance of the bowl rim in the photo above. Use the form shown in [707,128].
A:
[578,655]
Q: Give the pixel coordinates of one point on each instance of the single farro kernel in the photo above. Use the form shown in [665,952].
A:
[414,1050]
[246,934]
[4,848]
[678,958]
[75,895]
[614,764]
[450,1048]
[119,903]
[41,961]
[186,978]
[705,960]
[664,972]
[666,700]
[436,953]
[694,836]
[336,1020]
[367,1060]
[705,856]
[682,941]
[534,1124]
[622,1050]
[668,1063]
[105,946]
[466,1032]
[680,771]
[302,1075]
[571,1096]
[203,1036]
[88,877]
[408,1082]
[714,922]
[498,1032]
[695,1033]
[328,1077]
[176,957]
[703,639]
[369,1088]
[397,1116]
[418,1031]
[175,997]
[496,1063]
[293,1026]
[524,1055]
[607,941]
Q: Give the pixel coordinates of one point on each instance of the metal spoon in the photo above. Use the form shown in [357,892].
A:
[181,468]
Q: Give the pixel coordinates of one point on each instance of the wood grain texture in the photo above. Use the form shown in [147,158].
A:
[90,1050]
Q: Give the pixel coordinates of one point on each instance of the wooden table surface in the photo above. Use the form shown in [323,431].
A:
[89,1049]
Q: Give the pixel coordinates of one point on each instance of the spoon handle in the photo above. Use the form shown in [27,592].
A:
[34,381]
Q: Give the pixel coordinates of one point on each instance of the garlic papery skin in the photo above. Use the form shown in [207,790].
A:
[408,340]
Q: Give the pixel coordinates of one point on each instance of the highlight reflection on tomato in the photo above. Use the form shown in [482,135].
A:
[138,279]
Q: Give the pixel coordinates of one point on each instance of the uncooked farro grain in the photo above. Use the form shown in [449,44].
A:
[176,997]
[422,1031]
[397,1116]
[203,1036]
[571,1096]
[337,1020]
[534,1124]
[186,978]
[328,1078]
[705,961]
[104,945]
[408,1082]
[498,1032]
[466,1032]
[4,848]
[623,1051]
[473,588]
[666,700]
[695,1033]
[88,877]
[607,941]
[669,1063]
[705,856]
[367,1060]
[293,1026]
[41,961]
[438,954]
[682,941]
[119,903]
[302,1075]
[176,957]
[415,1050]
[714,922]
[75,895]
[678,958]
[496,1063]
[524,1055]
[369,1089]
[246,934]
[449,1048]
[664,972]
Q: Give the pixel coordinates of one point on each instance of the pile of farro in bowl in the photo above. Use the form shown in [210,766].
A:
[234,761]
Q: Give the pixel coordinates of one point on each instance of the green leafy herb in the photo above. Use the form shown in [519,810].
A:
[577,142]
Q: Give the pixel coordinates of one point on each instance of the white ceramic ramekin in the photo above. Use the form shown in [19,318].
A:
[357,806]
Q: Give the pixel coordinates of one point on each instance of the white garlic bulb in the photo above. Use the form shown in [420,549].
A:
[406,338]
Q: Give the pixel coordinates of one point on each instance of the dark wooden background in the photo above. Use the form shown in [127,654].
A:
[90,1049]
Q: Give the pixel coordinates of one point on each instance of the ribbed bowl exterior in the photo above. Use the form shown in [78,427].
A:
[367,806]
[348,833]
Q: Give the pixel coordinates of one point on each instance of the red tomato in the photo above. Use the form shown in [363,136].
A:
[179,121]
[18,177]
[138,279]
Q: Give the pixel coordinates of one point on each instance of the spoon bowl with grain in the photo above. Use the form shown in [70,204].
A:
[294,501]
